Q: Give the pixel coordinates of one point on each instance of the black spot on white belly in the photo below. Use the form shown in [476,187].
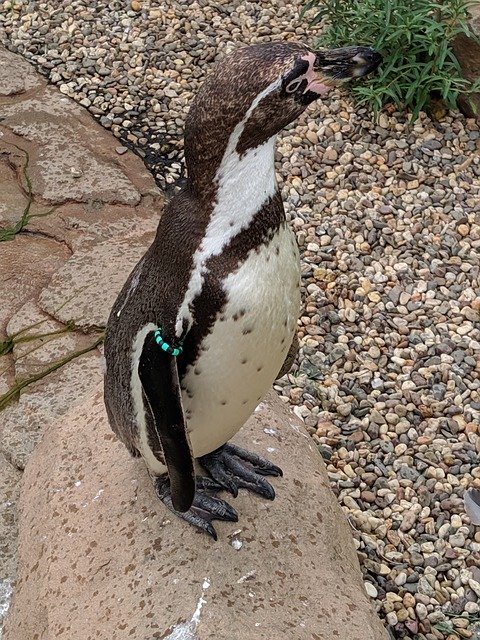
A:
[239,314]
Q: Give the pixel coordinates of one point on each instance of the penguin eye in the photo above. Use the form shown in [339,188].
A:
[294,85]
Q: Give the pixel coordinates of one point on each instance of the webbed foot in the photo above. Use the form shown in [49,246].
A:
[235,468]
[205,508]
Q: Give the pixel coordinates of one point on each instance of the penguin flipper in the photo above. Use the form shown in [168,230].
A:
[158,375]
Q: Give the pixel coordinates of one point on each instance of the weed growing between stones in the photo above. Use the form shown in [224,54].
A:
[18,227]
[414,36]
[6,346]
[21,384]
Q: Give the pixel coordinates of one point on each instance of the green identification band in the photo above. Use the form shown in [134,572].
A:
[173,351]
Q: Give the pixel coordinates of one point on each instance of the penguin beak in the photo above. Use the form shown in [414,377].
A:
[334,66]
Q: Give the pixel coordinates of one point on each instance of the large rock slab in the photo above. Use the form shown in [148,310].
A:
[77,224]
[101,558]
[14,200]
[9,489]
[72,158]
[42,341]
[21,278]
[467,51]
[84,290]
[26,266]
[24,79]
[68,163]
[43,403]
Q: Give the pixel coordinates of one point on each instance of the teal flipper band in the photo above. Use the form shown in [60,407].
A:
[173,351]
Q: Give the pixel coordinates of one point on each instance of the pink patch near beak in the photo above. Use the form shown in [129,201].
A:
[313,83]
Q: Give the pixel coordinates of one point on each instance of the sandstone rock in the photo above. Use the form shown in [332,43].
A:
[467,51]
[68,164]
[43,403]
[101,558]
[9,485]
[85,224]
[72,157]
[77,224]
[84,290]
[24,78]
[44,341]
[22,279]
[13,200]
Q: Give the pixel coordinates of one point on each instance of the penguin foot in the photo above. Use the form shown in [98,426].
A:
[205,508]
[235,468]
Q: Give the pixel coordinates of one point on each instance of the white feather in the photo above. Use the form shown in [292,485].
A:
[151,461]
[237,367]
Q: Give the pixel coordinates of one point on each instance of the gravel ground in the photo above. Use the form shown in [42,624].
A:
[387,217]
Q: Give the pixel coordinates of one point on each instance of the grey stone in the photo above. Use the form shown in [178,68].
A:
[408,473]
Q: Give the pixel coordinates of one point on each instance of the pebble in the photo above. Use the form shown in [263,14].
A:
[386,217]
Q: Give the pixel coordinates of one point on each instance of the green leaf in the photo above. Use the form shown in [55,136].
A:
[415,38]
[318,17]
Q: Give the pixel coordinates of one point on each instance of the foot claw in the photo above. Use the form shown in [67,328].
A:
[235,468]
[259,464]
[205,508]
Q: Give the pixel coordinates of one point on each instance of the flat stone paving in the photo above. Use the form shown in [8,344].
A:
[60,167]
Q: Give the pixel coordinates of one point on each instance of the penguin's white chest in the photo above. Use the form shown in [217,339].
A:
[247,345]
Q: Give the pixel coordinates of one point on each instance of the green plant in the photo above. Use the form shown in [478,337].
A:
[15,389]
[415,38]
[11,232]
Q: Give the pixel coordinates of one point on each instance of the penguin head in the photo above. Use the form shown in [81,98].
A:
[256,91]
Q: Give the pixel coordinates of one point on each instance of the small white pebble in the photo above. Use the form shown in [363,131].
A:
[371,590]
[456,521]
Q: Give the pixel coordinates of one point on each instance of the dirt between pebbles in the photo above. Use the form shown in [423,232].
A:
[387,216]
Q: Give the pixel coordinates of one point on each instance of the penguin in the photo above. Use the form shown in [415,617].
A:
[207,318]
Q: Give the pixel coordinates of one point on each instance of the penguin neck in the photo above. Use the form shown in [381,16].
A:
[243,184]
[229,163]
[245,202]
[239,174]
